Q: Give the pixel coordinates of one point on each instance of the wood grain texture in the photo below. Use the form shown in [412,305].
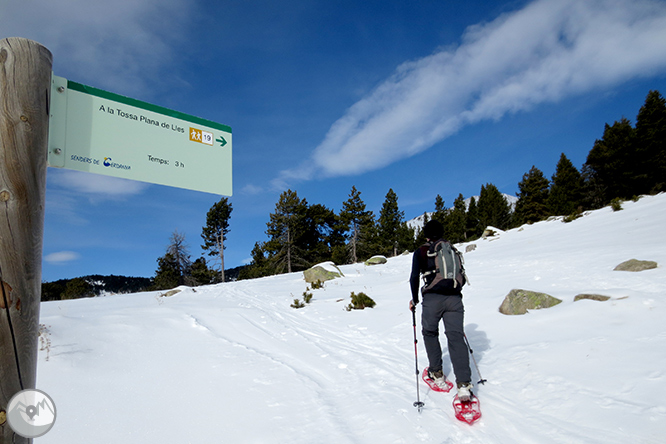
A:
[25,79]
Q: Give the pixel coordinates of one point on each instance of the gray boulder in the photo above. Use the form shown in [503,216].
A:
[491,232]
[376,260]
[517,302]
[322,272]
[593,297]
[636,265]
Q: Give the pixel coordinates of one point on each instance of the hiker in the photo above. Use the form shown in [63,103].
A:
[440,304]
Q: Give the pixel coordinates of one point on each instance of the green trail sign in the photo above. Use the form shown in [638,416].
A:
[105,133]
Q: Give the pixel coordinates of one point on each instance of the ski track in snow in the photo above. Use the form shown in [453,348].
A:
[235,363]
[309,380]
[340,348]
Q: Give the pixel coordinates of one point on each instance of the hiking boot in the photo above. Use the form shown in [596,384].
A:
[438,378]
[464,391]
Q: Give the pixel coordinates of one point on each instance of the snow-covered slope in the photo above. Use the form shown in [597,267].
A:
[234,363]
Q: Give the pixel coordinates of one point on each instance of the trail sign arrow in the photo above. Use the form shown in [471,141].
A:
[222,141]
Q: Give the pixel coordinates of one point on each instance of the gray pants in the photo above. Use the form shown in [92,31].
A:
[450,309]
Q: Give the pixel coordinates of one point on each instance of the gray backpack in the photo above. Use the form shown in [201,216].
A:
[446,271]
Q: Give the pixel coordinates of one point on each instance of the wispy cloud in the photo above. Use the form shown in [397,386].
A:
[251,189]
[119,45]
[61,257]
[95,184]
[549,50]
[70,192]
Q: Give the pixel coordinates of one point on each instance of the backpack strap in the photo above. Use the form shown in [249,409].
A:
[428,254]
[423,257]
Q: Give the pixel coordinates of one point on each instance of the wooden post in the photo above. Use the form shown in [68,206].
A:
[25,86]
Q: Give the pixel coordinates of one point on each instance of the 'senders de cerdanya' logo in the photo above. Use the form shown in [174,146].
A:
[108,162]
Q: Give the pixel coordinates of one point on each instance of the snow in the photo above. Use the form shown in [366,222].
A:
[329,266]
[234,363]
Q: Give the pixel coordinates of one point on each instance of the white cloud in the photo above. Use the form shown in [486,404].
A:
[61,257]
[252,190]
[118,45]
[101,186]
[549,50]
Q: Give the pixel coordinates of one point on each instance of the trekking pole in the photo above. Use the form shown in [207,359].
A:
[471,352]
[418,404]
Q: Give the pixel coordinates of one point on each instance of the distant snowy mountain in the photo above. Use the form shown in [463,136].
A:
[417,222]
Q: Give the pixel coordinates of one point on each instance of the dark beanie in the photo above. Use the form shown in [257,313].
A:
[433,230]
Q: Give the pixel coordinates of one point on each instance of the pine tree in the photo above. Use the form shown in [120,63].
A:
[594,193]
[566,190]
[612,161]
[167,274]
[651,145]
[370,242]
[532,197]
[77,288]
[440,211]
[494,210]
[454,222]
[214,233]
[406,238]
[201,274]
[259,266]
[392,230]
[285,228]
[355,220]
[472,223]
[322,233]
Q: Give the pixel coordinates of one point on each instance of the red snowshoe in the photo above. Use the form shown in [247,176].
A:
[431,383]
[467,411]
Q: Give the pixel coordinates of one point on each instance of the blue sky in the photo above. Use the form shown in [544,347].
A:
[424,97]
